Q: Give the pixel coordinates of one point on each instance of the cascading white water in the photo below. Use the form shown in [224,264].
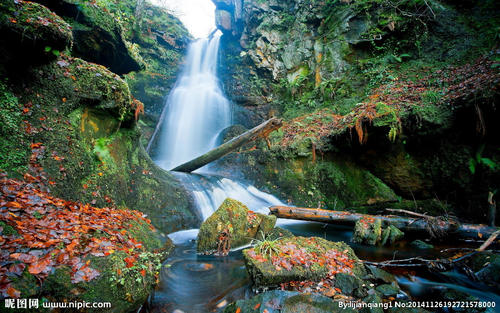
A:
[197,110]
[195,114]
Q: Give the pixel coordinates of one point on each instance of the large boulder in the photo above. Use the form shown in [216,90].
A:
[235,219]
[31,31]
[271,263]
[82,116]
[98,35]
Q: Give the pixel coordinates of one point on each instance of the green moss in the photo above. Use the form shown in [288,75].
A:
[367,231]
[34,25]
[265,273]
[8,230]
[234,217]
[14,146]
[27,284]
[142,232]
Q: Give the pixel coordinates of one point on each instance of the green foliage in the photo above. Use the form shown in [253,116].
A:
[478,160]
[267,248]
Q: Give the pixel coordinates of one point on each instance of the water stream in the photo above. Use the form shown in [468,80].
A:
[196,112]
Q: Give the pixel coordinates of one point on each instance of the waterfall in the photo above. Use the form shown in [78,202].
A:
[195,113]
[196,109]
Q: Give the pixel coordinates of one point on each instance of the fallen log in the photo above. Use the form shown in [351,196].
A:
[406,224]
[261,131]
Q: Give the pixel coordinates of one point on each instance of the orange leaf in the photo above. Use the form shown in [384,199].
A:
[13,293]
[143,273]
[238,310]
[256,306]
[130,261]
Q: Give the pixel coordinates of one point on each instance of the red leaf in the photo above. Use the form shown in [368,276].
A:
[130,261]
[13,293]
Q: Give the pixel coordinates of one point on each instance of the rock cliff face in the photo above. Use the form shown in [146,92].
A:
[367,81]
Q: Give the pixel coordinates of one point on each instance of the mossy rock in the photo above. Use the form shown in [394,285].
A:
[419,244]
[98,36]
[125,287]
[235,218]
[278,301]
[378,274]
[334,181]
[31,33]
[274,234]
[83,115]
[376,300]
[390,235]
[265,274]
[367,231]
[388,290]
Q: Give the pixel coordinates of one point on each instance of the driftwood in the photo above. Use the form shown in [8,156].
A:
[406,224]
[261,131]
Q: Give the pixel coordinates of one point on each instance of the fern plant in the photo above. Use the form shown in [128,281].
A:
[479,160]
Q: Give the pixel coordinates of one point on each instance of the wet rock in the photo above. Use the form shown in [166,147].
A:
[299,259]
[98,36]
[31,33]
[234,218]
[347,283]
[388,290]
[375,301]
[370,232]
[278,301]
[223,20]
[419,244]
[367,231]
[380,275]
[390,235]
[490,273]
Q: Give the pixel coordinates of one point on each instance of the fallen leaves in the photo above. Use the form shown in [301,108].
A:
[53,232]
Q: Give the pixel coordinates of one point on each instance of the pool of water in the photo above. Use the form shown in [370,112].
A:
[199,283]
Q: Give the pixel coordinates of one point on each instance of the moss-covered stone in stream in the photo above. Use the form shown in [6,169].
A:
[390,235]
[264,273]
[367,231]
[278,301]
[234,218]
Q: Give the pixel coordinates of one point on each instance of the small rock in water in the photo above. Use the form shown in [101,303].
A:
[178,311]
[419,244]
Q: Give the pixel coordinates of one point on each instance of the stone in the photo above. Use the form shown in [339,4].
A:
[98,36]
[278,301]
[419,244]
[388,290]
[347,283]
[380,275]
[390,235]
[32,32]
[234,218]
[264,273]
[367,231]
[223,20]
